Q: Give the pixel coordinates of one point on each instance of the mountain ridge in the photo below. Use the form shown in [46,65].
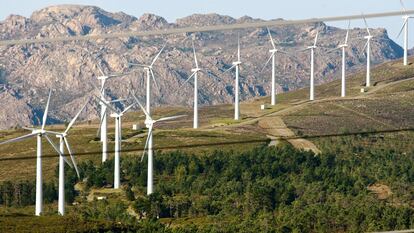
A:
[70,69]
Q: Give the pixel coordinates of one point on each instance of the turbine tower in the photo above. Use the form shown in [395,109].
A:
[150,73]
[195,71]
[118,138]
[62,143]
[149,123]
[39,134]
[312,55]
[404,28]
[272,57]
[368,51]
[343,48]
[104,123]
[236,65]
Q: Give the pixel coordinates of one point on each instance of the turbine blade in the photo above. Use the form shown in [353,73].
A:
[75,118]
[238,47]
[142,108]
[118,75]
[159,53]
[46,111]
[135,64]
[106,104]
[127,108]
[71,156]
[18,139]
[403,6]
[271,39]
[117,100]
[155,81]
[28,128]
[146,143]
[316,38]
[347,32]
[188,79]
[333,50]
[54,133]
[57,149]
[302,50]
[366,24]
[170,118]
[267,62]
[402,28]
[365,46]
[100,125]
[195,56]
[100,69]
[229,69]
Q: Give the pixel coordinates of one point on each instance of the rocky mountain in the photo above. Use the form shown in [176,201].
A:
[70,69]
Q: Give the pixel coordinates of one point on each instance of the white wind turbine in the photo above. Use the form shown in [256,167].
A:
[104,123]
[195,75]
[272,57]
[62,143]
[149,123]
[404,28]
[312,78]
[150,74]
[236,65]
[39,134]
[343,47]
[368,47]
[118,138]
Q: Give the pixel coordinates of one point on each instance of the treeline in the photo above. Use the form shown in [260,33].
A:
[268,190]
[23,193]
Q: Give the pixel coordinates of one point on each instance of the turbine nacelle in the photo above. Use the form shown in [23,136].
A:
[149,123]
[194,70]
[312,47]
[236,63]
[116,115]
[39,131]
[343,46]
[273,51]
[368,37]
[102,77]
[62,135]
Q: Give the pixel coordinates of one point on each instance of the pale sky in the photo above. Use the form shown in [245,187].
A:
[264,9]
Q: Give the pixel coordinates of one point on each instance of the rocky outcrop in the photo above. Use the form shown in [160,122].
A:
[70,69]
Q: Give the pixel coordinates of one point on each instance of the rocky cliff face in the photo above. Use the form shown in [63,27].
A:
[70,69]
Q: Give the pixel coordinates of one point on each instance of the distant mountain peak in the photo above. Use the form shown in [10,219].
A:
[151,21]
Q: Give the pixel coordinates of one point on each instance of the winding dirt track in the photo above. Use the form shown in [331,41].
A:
[275,128]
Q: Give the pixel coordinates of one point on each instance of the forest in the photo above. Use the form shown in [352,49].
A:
[267,189]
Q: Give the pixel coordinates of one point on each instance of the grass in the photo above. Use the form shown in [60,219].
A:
[361,120]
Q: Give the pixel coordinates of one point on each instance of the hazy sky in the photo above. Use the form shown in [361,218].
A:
[265,9]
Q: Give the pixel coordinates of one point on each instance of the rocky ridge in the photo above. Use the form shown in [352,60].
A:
[70,69]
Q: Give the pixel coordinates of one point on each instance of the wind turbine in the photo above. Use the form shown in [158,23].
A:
[272,57]
[343,47]
[118,137]
[195,75]
[405,29]
[62,143]
[368,47]
[312,81]
[104,124]
[150,74]
[149,123]
[39,134]
[236,65]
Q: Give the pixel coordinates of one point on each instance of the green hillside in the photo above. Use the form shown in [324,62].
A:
[338,165]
